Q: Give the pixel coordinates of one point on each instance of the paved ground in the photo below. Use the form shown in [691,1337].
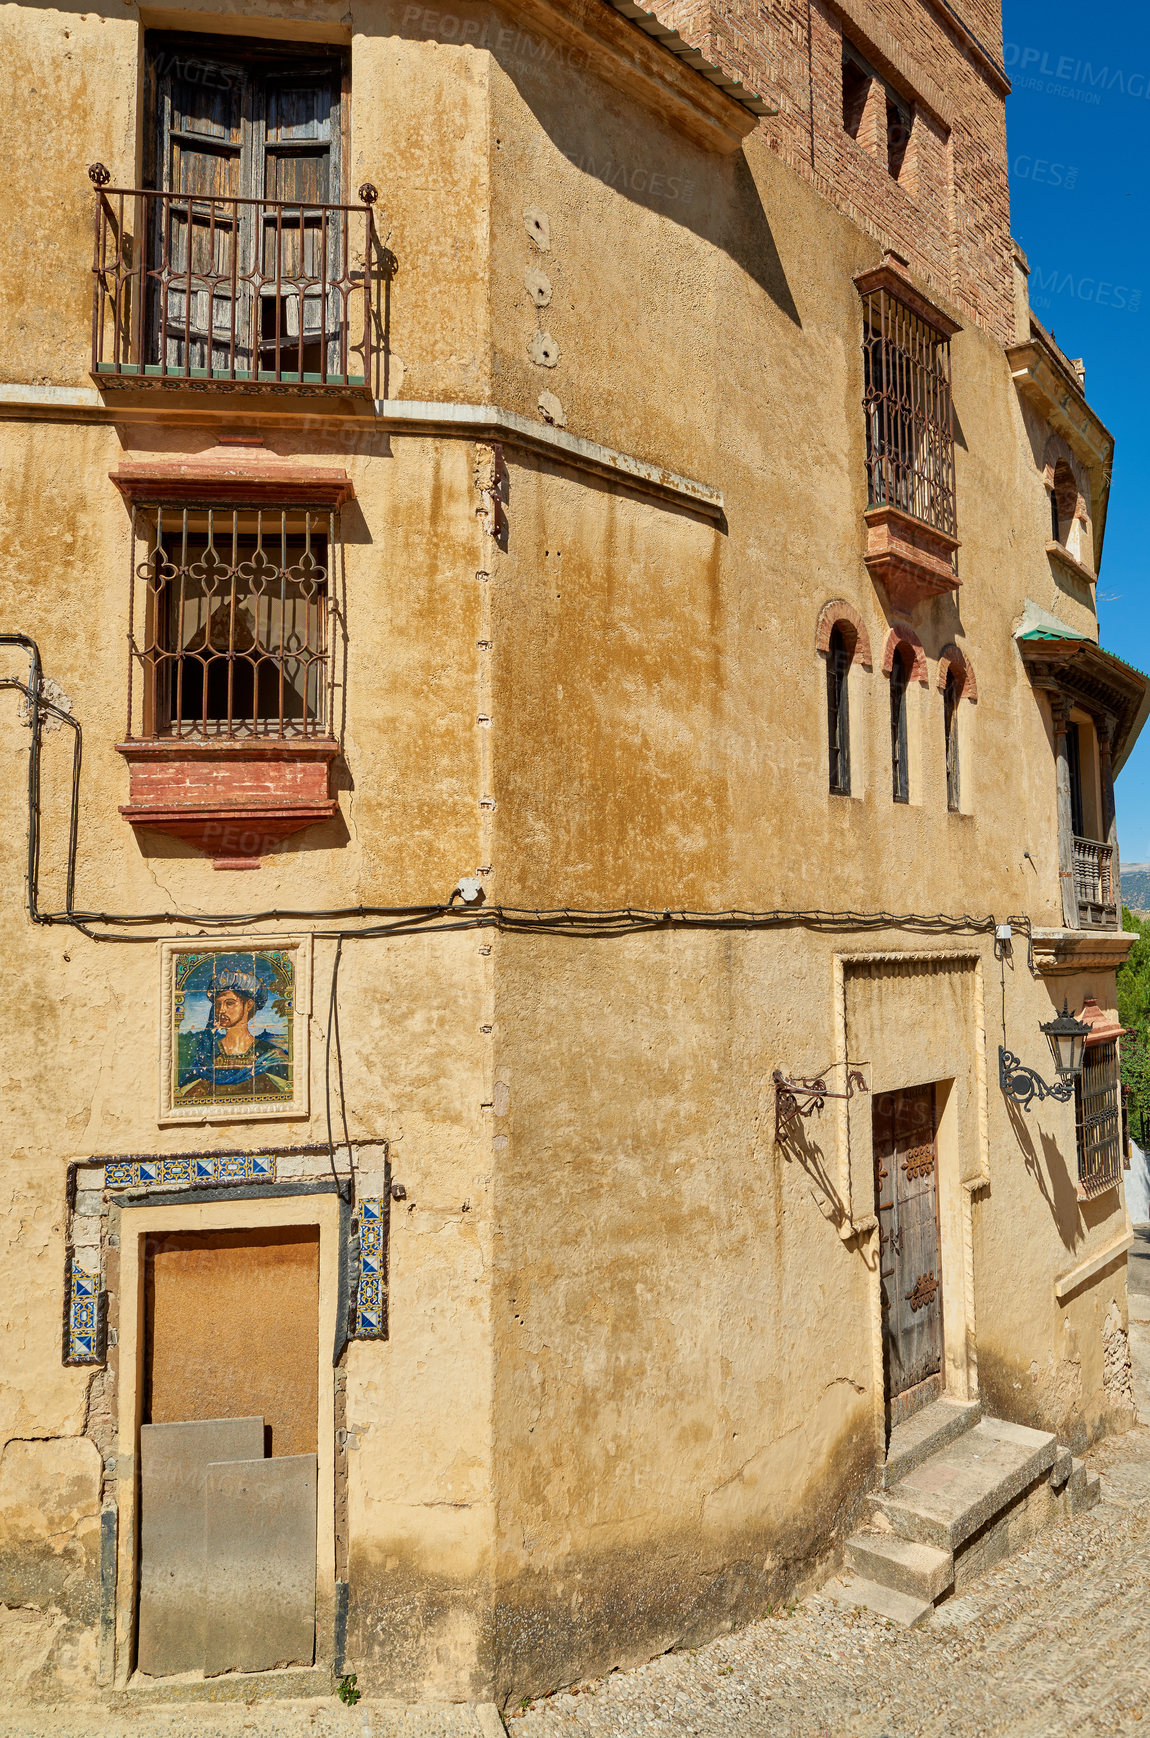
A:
[1054,1643]
[1138,1271]
[288,1719]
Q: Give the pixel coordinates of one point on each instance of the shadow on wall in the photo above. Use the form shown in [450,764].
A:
[1053,1178]
[736,223]
[797,1148]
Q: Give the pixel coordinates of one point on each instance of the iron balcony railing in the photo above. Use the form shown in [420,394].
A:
[218,292]
[1094,883]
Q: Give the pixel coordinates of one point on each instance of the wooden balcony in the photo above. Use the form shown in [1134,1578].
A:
[1094,884]
[254,295]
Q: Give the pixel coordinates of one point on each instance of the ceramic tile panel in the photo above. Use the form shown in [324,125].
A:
[85,1327]
[164,1173]
[371,1279]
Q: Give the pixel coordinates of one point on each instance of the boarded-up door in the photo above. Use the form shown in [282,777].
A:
[910,1265]
[228,1450]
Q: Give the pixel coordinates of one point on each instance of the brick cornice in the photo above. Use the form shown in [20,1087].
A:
[232,481]
[891,277]
[234,801]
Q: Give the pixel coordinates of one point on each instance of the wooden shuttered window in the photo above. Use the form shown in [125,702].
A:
[899,760]
[238,279]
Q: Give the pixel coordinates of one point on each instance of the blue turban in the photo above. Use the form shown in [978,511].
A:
[249,985]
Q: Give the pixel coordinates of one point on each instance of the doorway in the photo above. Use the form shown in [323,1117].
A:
[905,1137]
[228,1450]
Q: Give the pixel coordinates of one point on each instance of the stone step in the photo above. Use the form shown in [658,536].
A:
[901,1608]
[920,1571]
[941,1422]
[964,1485]
[1085,1488]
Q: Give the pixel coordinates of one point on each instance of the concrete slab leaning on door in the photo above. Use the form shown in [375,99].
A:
[174,1460]
[259,1537]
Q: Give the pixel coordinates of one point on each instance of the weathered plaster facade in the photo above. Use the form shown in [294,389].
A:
[611,469]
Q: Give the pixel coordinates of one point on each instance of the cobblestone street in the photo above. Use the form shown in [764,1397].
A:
[1055,1641]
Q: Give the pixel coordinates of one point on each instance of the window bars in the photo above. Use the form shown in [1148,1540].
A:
[1094,881]
[1098,1119]
[271,294]
[909,413]
[229,615]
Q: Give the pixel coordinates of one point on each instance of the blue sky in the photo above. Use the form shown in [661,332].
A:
[1079,144]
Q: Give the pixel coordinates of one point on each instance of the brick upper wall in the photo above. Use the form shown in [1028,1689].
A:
[948,213]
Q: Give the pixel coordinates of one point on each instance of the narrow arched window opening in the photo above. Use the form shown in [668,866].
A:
[840,652]
[1063,502]
[900,770]
[952,693]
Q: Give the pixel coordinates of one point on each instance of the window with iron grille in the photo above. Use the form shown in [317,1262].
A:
[230,622]
[909,413]
[1098,1118]
[839,654]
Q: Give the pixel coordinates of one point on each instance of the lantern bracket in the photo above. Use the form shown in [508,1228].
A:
[795,1099]
[1022,1085]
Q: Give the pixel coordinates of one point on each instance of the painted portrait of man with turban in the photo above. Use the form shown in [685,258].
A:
[226,1059]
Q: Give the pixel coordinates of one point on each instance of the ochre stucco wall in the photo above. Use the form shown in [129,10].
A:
[629,1394]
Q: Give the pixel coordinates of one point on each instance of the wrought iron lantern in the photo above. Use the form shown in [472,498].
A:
[1067,1038]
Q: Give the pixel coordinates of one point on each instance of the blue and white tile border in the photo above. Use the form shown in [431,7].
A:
[199,1169]
[99,1187]
[370,1276]
[86,1317]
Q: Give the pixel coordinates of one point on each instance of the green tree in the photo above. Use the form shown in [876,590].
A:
[1134,1013]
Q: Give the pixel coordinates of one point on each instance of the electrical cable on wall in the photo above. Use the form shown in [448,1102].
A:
[398,920]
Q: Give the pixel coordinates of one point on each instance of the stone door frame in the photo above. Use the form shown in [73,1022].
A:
[236,1214]
[955,1063]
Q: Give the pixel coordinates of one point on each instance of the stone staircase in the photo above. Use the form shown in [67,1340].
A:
[958,1493]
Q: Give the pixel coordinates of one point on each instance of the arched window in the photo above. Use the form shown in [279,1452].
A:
[840,653]
[951,695]
[899,678]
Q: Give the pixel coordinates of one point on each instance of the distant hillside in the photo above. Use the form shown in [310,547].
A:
[1136,887]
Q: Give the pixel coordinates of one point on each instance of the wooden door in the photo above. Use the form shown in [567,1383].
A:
[228,1450]
[239,281]
[910,1264]
[297,133]
[201,241]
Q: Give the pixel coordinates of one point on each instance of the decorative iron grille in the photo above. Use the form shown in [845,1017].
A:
[909,413]
[1098,1119]
[230,623]
[1094,882]
[208,292]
